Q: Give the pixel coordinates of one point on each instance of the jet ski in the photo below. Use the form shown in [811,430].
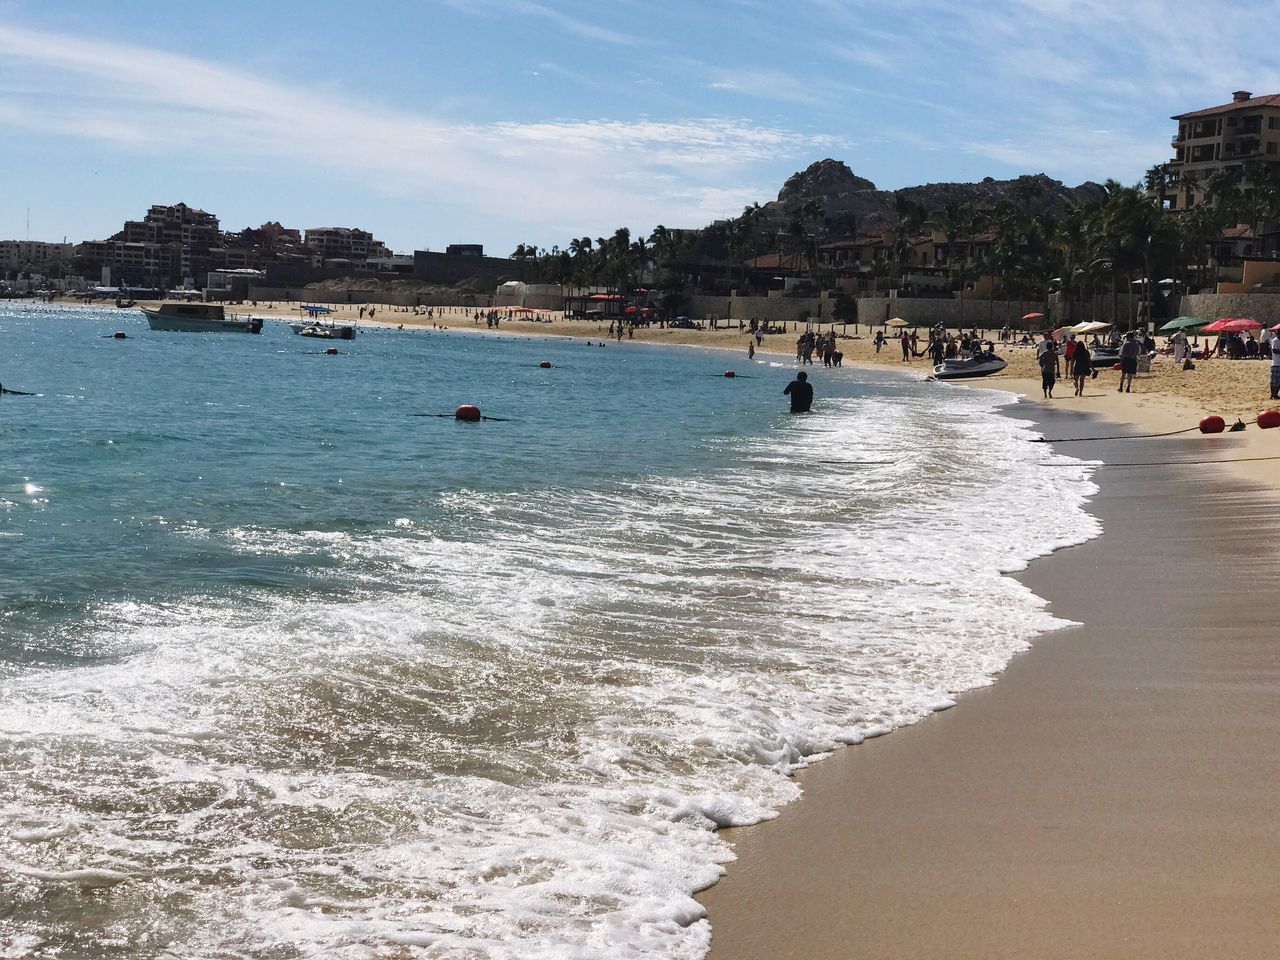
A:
[966,368]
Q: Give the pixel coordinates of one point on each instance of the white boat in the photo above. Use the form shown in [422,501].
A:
[967,368]
[199,318]
[325,331]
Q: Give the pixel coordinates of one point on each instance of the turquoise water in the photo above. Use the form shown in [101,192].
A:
[133,442]
[289,671]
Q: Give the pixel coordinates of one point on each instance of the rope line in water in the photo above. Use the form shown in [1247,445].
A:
[454,416]
[1138,436]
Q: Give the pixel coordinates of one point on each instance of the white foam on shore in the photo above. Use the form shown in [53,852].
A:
[516,738]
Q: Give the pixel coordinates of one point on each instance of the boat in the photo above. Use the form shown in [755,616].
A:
[325,331]
[967,368]
[199,318]
[1104,358]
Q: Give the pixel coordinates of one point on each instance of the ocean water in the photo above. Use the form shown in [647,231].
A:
[288,671]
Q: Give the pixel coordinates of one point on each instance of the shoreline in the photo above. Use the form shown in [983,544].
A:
[1105,797]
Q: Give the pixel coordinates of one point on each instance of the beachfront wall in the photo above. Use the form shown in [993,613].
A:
[1263,307]
[876,310]
[925,311]
[539,296]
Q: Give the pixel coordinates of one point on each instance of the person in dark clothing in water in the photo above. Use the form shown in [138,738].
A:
[801,392]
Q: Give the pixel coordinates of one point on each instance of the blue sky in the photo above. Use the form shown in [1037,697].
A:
[504,121]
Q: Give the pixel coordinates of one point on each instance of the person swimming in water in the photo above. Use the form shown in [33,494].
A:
[801,392]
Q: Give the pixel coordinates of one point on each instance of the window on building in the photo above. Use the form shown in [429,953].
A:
[1271,147]
[1233,121]
[1273,123]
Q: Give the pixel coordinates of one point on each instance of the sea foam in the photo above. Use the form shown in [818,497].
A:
[518,740]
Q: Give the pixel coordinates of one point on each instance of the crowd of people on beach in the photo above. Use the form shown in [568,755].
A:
[823,344]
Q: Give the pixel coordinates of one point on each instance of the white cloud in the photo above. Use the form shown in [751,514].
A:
[554,173]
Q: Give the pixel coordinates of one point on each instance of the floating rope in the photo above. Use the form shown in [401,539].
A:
[1138,436]
[454,416]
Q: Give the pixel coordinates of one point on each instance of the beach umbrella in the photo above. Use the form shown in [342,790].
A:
[1215,327]
[896,322]
[1032,316]
[1240,325]
[1182,323]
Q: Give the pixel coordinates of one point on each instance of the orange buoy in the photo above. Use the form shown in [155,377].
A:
[119,335]
[730,374]
[545,364]
[331,352]
[468,412]
[1213,424]
[1268,419]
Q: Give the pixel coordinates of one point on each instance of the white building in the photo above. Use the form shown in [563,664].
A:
[22,255]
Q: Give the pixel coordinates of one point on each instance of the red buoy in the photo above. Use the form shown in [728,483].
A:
[1115,366]
[119,335]
[331,352]
[468,413]
[545,364]
[1213,424]
[730,374]
[1268,419]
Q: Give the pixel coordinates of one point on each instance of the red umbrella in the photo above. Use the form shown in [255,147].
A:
[1215,327]
[1240,325]
[1033,316]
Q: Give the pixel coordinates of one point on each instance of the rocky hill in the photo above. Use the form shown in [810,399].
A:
[841,191]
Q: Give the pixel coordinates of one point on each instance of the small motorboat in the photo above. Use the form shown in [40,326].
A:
[325,331]
[967,368]
[199,318]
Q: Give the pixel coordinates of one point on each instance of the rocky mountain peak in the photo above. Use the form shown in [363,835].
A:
[825,179]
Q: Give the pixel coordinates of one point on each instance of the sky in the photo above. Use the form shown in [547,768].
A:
[500,122]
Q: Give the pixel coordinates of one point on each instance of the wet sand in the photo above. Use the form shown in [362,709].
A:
[1114,794]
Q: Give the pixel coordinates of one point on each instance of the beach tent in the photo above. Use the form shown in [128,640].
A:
[1182,323]
[896,322]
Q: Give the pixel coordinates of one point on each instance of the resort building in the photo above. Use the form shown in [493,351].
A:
[344,243]
[1225,136]
[20,256]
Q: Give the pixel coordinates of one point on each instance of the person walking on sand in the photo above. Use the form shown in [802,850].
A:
[906,346]
[801,392]
[751,349]
[1129,351]
[1081,364]
[1048,361]
[879,340]
[1275,364]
